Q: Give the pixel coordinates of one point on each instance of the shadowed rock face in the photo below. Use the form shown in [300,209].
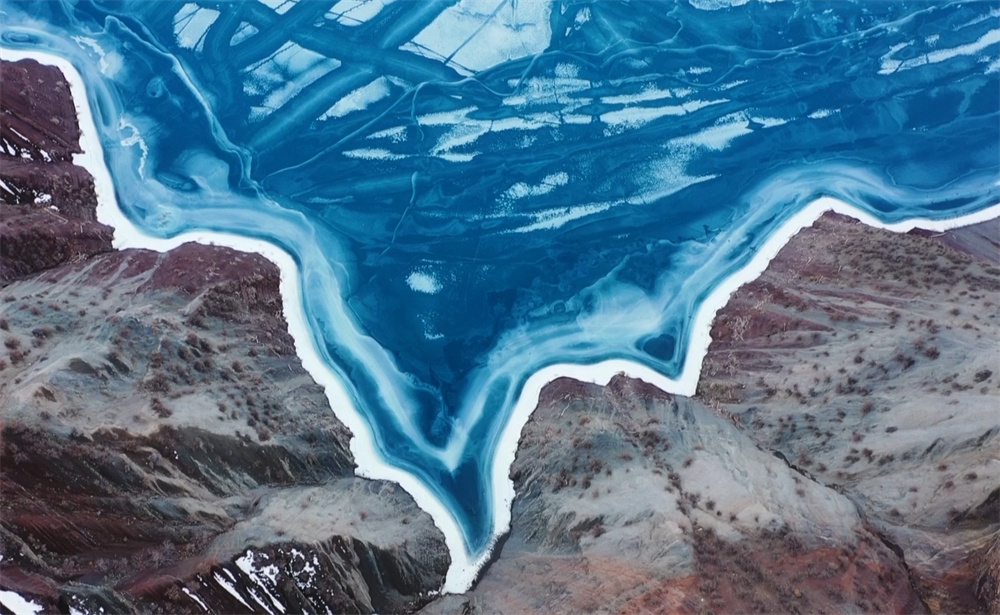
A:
[162,447]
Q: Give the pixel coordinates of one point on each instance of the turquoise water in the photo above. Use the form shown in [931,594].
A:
[475,190]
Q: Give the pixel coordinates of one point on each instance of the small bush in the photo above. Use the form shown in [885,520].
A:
[160,409]
[158,383]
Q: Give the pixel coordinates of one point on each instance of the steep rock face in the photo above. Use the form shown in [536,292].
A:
[162,447]
[870,360]
[48,215]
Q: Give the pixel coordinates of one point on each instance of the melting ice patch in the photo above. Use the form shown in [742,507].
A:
[359,99]
[134,137]
[562,89]
[396,134]
[819,114]
[498,30]
[356,12]
[191,23]
[551,219]
[768,122]
[280,6]
[715,5]
[667,175]
[373,153]
[891,65]
[719,136]
[282,75]
[522,190]
[110,62]
[647,94]
[631,118]
[423,282]
[244,32]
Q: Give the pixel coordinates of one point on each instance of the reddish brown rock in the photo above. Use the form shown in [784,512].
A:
[48,212]
[156,427]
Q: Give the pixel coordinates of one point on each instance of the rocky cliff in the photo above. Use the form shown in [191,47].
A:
[841,454]
[162,448]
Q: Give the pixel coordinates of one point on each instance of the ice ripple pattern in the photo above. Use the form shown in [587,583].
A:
[474,190]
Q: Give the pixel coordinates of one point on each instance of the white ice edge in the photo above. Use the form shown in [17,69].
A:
[464,567]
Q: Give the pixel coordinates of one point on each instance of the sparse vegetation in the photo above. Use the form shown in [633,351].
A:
[160,409]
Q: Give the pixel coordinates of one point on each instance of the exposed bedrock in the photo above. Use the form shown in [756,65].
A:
[840,456]
[48,213]
[657,504]
[162,448]
[871,361]
[157,424]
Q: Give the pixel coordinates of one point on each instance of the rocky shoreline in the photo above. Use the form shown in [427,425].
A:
[839,456]
[164,451]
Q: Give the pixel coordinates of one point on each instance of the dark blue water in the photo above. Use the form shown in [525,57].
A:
[497,186]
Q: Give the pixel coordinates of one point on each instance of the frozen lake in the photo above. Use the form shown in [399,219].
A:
[471,195]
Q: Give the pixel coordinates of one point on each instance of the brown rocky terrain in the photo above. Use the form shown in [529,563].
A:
[841,454]
[162,448]
[872,364]
[48,214]
[657,504]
